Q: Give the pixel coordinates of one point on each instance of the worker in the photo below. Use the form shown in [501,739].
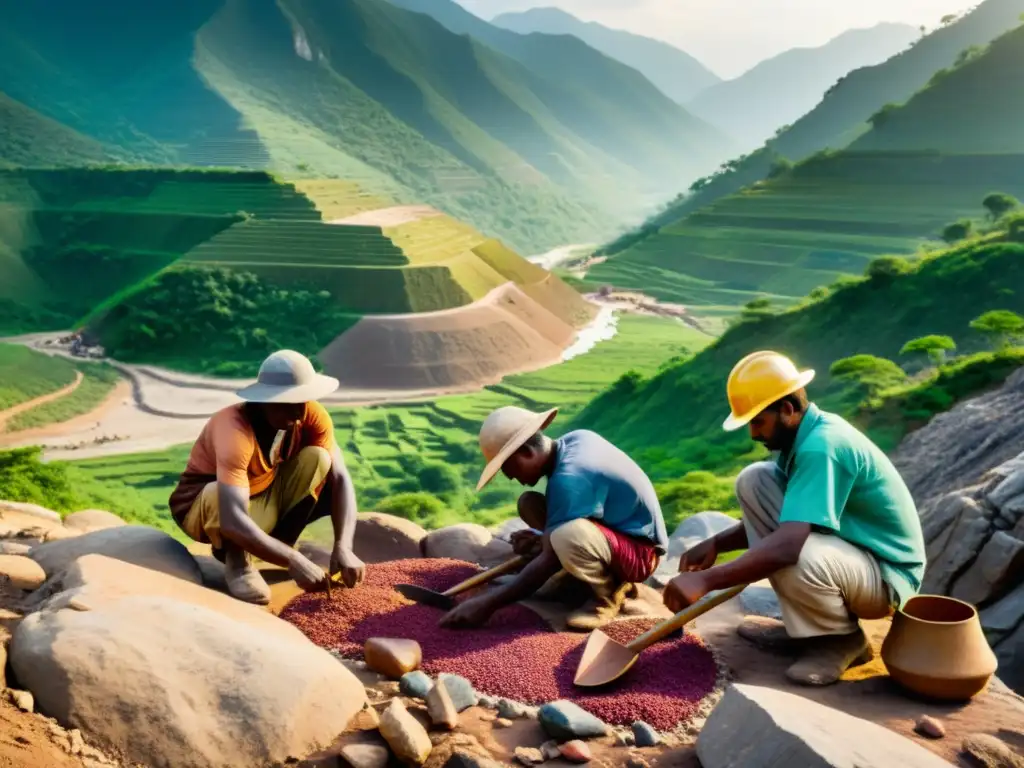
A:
[598,521]
[264,469]
[830,523]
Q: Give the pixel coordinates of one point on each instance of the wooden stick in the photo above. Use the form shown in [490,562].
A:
[480,578]
[684,617]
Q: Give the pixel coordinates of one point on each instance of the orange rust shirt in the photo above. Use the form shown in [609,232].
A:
[228,452]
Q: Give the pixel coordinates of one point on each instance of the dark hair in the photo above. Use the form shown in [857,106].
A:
[534,441]
[798,400]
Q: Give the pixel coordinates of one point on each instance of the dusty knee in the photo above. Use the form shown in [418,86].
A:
[533,509]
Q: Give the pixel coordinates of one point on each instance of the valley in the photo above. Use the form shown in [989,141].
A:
[449,215]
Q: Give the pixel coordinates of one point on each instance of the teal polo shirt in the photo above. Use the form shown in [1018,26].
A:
[835,478]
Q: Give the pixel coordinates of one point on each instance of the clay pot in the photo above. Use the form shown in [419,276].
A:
[936,648]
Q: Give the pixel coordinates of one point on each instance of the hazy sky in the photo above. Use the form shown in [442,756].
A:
[730,36]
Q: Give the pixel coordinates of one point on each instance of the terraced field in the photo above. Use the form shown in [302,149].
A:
[339,198]
[829,217]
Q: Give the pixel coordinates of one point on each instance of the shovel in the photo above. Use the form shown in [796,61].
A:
[605,660]
[446,599]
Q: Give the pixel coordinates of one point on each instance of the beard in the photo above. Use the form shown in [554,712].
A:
[781,439]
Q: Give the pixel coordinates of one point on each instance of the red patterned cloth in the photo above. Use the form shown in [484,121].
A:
[633,559]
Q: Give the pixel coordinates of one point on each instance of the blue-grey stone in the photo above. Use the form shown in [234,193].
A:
[511,710]
[645,735]
[566,721]
[461,691]
[416,684]
[761,601]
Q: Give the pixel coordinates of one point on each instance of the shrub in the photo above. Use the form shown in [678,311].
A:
[958,230]
[419,506]
[1002,326]
[998,204]
[695,492]
[935,347]
[439,478]
[886,267]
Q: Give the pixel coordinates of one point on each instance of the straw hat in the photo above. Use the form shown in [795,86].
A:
[288,377]
[504,432]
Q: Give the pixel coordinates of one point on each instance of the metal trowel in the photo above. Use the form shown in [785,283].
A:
[446,600]
[605,660]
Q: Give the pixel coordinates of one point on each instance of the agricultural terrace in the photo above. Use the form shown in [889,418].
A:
[826,218]
[26,374]
[397,450]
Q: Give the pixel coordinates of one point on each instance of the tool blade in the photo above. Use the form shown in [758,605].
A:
[425,596]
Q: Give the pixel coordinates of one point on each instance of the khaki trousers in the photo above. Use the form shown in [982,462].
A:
[585,554]
[300,477]
[833,584]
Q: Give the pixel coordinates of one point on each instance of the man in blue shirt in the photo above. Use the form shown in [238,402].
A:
[600,517]
[831,524]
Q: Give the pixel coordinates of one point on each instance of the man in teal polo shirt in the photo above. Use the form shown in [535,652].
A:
[830,523]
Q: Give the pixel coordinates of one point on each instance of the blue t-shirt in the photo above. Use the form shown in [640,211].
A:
[593,479]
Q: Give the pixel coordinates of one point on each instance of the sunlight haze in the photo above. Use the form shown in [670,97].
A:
[730,36]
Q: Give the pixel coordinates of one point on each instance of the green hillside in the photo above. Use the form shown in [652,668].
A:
[844,112]
[826,218]
[678,74]
[977,106]
[365,91]
[26,374]
[26,137]
[672,422]
[782,89]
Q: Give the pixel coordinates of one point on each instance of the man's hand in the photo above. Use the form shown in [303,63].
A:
[699,557]
[306,573]
[527,543]
[470,613]
[345,561]
[685,590]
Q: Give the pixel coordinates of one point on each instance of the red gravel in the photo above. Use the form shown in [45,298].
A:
[515,655]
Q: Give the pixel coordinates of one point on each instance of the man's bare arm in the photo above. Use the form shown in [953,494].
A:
[345,509]
[237,527]
[774,552]
[529,580]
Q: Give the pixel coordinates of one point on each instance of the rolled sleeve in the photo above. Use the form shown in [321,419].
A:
[817,492]
[234,453]
[318,428]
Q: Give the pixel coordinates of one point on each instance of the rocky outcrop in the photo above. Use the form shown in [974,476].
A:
[965,469]
[764,728]
[145,547]
[688,533]
[380,538]
[166,683]
[467,541]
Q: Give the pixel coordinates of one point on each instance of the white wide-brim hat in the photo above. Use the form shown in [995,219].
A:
[504,432]
[288,377]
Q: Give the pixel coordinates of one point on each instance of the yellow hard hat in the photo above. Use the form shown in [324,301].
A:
[757,381]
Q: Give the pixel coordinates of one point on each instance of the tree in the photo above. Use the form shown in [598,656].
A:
[957,231]
[757,309]
[885,267]
[998,204]
[935,347]
[1002,326]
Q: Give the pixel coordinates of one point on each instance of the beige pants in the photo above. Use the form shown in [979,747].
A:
[585,554]
[301,476]
[833,584]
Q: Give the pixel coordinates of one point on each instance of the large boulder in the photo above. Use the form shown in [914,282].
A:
[765,728]
[145,547]
[380,538]
[689,533]
[467,541]
[167,684]
[19,520]
[92,520]
[95,582]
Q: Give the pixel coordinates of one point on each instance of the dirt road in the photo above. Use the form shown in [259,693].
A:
[10,413]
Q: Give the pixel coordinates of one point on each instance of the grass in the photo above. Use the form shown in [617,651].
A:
[398,448]
[98,381]
[826,219]
[26,374]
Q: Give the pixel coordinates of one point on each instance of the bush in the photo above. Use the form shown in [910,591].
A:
[957,231]
[998,204]
[1002,326]
[935,347]
[439,479]
[886,267]
[695,492]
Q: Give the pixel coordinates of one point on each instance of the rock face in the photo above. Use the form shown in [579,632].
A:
[172,684]
[688,533]
[381,537]
[761,728]
[146,547]
[965,469]
[467,541]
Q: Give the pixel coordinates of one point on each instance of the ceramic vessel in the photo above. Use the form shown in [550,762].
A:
[936,648]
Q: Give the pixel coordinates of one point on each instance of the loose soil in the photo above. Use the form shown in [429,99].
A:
[515,654]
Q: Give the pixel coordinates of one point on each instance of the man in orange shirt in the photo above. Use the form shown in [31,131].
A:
[261,471]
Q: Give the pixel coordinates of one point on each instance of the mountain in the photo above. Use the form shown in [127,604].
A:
[977,106]
[752,107]
[672,422]
[678,74]
[844,112]
[365,91]
[823,220]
